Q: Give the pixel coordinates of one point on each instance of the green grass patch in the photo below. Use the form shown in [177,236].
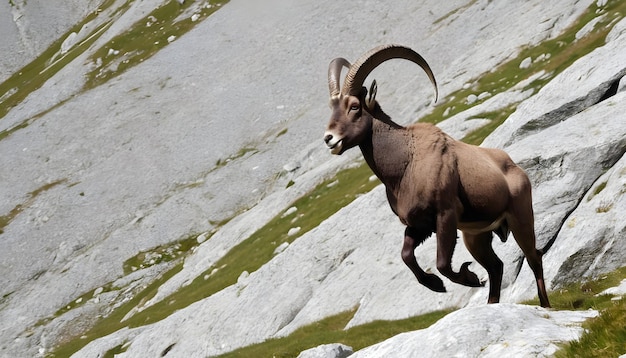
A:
[597,190]
[162,253]
[7,132]
[240,154]
[604,207]
[451,13]
[111,353]
[79,301]
[583,295]
[281,133]
[605,335]
[331,330]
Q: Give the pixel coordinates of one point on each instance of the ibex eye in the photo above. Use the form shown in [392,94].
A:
[354,107]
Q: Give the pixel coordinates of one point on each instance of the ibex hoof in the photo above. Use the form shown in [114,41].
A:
[433,282]
[468,278]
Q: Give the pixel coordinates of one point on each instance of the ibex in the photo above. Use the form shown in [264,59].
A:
[433,182]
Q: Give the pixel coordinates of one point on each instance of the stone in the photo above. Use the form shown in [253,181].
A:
[68,43]
[588,27]
[289,211]
[293,231]
[280,248]
[583,251]
[202,237]
[333,350]
[525,63]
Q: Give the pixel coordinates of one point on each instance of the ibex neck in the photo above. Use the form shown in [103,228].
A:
[386,151]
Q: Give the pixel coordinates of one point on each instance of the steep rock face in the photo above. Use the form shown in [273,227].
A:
[584,247]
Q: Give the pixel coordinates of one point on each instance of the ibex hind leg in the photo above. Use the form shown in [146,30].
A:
[479,246]
[521,222]
[524,234]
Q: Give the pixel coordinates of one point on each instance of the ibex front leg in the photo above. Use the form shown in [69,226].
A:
[411,239]
[446,241]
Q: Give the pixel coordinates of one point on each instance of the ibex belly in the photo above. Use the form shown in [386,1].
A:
[477,227]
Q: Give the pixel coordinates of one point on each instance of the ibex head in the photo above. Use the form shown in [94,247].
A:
[352,107]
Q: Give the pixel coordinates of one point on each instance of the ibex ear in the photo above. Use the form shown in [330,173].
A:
[371,99]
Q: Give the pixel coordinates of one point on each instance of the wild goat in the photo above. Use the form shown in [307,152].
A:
[434,183]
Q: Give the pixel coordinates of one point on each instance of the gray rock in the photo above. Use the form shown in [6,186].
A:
[501,330]
[525,63]
[333,350]
[583,250]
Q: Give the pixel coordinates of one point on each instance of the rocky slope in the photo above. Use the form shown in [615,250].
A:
[29,28]
[224,123]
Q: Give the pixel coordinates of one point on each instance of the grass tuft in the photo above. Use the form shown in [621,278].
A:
[605,336]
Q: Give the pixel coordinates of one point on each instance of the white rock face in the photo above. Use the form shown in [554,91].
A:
[583,249]
[502,330]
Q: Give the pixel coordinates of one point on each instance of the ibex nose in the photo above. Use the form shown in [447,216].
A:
[328,138]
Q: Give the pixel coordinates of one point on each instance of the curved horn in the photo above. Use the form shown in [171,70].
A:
[369,61]
[334,71]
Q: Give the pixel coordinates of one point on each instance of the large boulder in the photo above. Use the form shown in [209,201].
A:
[501,330]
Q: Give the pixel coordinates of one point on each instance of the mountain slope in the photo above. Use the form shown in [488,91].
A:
[218,132]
